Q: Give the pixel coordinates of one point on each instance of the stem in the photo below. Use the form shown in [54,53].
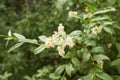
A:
[89,53]
[94,74]
[27,6]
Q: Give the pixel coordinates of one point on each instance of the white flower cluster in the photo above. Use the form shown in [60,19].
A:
[109,45]
[96,30]
[100,63]
[59,39]
[72,13]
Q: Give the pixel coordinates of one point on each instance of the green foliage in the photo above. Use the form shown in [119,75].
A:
[86,45]
[100,57]
[5,76]
[69,69]
[104,76]
[15,46]
[60,69]
[115,62]
[76,62]
[39,49]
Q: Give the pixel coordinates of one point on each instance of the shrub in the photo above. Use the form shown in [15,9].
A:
[88,50]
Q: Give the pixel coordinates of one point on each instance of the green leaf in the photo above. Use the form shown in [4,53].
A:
[63,78]
[104,11]
[104,76]
[88,77]
[92,25]
[27,78]
[42,38]
[109,30]
[67,56]
[91,36]
[91,7]
[118,46]
[54,76]
[118,49]
[5,76]
[100,19]
[60,69]
[115,62]
[7,42]
[100,57]
[98,49]
[86,56]
[9,33]
[33,41]
[69,69]
[107,23]
[39,49]
[15,46]
[111,2]
[90,42]
[75,33]
[76,62]
[96,68]
[19,36]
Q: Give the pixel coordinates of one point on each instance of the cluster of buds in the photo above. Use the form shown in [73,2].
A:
[59,39]
[109,45]
[100,63]
[96,30]
[89,14]
[72,13]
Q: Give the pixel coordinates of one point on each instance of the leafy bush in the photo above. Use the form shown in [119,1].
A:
[87,48]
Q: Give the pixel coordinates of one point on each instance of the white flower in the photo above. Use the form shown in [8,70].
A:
[72,13]
[90,15]
[59,39]
[60,50]
[49,42]
[61,29]
[109,45]
[86,9]
[96,30]
[100,63]
[69,41]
